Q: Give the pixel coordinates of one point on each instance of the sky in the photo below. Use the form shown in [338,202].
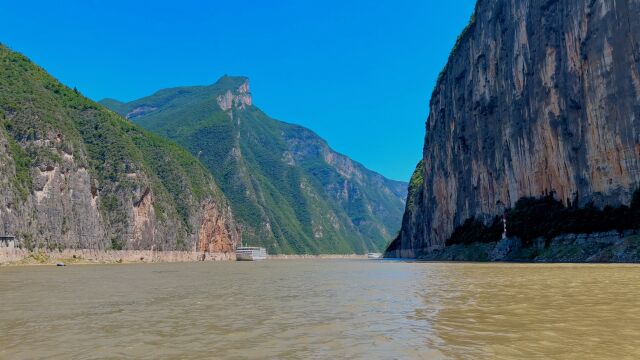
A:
[359,73]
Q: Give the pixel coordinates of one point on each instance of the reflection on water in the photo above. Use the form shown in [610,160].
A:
[320,309]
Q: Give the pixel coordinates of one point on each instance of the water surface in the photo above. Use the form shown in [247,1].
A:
[320,309]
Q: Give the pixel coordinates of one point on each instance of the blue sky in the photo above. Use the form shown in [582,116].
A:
[359,73]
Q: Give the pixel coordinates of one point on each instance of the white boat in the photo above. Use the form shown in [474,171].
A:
[246,253]
[374,255]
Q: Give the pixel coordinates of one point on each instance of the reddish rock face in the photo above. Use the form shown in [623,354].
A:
[537,96]
[217,231]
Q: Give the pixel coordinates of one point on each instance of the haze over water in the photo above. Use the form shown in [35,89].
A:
[320,309]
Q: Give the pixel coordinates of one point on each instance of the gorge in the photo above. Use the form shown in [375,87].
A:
[290,192]
[78,176]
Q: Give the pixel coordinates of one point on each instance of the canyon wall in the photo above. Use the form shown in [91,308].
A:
[538,96]
[76,175]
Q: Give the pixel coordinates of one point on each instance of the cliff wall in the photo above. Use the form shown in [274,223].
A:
[537,96]
[76,175]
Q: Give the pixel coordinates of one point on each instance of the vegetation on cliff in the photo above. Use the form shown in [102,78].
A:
[415,186]
[546,217]
[54,135]
[461,37]
[414,199]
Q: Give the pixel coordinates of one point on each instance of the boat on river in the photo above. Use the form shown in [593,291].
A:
[247,253]
[374,256]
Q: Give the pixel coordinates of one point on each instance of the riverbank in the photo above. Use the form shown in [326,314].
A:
[607,247]
[17,256]
[322,256]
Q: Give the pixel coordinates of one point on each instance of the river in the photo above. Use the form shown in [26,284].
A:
[320,309]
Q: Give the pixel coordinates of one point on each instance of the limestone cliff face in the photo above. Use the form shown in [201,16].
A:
[238,98]
[537,96]
[76,175]
[59,210]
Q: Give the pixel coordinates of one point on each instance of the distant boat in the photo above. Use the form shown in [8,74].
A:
[374,255]
[251,253]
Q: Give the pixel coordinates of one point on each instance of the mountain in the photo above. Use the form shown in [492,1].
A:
[538,97]
[76,175]
[288,189]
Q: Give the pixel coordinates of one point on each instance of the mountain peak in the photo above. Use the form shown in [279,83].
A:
[237,94]
[231,82]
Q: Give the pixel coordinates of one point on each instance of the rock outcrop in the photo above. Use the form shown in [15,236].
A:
[238,98]
[76,175]
[216,235]
[538,96]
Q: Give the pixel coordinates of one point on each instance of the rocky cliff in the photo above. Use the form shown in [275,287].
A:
[538,96]
[76,175]
[289,190]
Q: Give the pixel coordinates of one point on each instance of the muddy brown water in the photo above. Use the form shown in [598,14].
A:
[320,309]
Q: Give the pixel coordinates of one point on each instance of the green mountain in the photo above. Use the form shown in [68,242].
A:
[289,190]
[76,175]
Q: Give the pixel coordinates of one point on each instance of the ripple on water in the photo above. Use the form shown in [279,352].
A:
[320,309]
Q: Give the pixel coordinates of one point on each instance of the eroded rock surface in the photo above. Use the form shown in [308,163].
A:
[537,96]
